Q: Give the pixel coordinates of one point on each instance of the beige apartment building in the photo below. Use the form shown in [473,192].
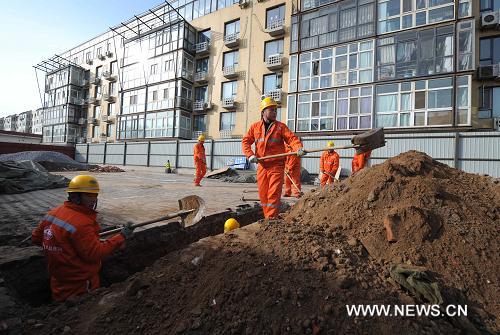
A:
[190,67]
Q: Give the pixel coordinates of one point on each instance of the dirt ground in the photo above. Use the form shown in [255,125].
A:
[139,194]
[297,274]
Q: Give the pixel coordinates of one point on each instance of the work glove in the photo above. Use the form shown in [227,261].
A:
[127,230]
[301,152]
[253,159]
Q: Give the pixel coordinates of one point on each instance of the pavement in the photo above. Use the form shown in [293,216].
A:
[138,194]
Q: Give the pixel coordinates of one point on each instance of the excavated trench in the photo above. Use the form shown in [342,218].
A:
[25,276]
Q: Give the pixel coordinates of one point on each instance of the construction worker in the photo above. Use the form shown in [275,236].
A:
[168,167]
[328,165]
[69,236]
[200,160]
[270,137]
[292,175]
[360,160]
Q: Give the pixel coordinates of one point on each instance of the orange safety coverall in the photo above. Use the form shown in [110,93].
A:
[270,172]
[359,161]
[328,165]
[69,236]
[292,167]
[200,163]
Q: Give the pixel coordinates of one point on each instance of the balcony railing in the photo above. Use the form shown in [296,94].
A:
[202,48]
[230,71]
[274,94]
[276,27]
[201,77]
[199,106]
[109,76]
[232,40]
[228,103]
[274,62]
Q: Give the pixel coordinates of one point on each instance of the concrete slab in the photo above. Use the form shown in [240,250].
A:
[138,194]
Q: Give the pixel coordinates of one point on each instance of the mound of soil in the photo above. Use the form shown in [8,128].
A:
[297,274]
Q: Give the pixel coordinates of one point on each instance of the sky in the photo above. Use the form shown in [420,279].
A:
[34,30]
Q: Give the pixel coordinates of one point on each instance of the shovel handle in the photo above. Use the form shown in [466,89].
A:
[145,223]
[307,152]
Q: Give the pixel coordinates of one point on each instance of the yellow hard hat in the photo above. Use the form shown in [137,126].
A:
[84,184]
[267,102]
[201,138]
[330,144]
[230,225]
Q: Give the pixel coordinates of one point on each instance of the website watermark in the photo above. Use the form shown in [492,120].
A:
[406,310]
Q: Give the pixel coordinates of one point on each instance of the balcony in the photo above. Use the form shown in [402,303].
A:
[103,137]
[89,61]
[85,82]
[202,48]
[228,103]
[276,27]
[200,106]
[82,121]
[109,97]
[230,72]
[81,140]
[95,81]
[109,54]
[274,62]
[109,76]
[101,56]
[104,118]
[232,40]
[201,77]
[95,100]
[93,121]
[227,133]
[274,94]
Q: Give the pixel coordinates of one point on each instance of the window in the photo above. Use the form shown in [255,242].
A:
[489,5]
[465,45]
[292,85]
[201,94]
[110,129]
[410,54]
[97,112]
[227,121]
[114,67]
[99,51]
[98,72]
[155,95]
[112,88]
[416,104]
[154,69]
[275,16]
[134,101]
[463,103]
[160,124]
[274,47]
[131,126]
[111,109]
[88,55]
[200,123]
[272,82]
[396,15]
[354,108]
[97,91]
[343,65]
[204,36]
[342,22]
[489,51]
[229,89]
[465,8]
[202,65]
[230,59]
[232,28]
[315,111]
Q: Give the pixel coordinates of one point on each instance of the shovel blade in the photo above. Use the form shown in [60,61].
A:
[192,202]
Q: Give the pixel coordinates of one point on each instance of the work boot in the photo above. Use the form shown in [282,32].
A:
[287,195]
[197,185]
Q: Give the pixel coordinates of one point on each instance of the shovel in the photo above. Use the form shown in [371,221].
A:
[294,184]
[364,142]
[191,211]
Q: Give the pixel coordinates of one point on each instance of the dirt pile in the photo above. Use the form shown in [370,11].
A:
[296,275]
[104,168]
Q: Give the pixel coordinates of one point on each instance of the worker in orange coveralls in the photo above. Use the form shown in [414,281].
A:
[69,235]
[360,161]
[270,137]
[328,165]
[200,160]
[292,167]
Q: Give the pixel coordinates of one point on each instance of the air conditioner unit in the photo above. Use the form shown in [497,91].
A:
[496,123]
[490,19]
[244,3]
[109,54]
[89,61]
[486,72]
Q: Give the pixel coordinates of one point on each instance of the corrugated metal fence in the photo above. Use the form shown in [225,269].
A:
[475,152]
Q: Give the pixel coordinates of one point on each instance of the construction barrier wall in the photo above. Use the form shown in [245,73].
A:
[475,152]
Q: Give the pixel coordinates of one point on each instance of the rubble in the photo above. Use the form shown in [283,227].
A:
[104,168]
[51,160]
[296,275]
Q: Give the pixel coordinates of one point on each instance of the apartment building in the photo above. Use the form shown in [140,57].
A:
[10,123]
[24,122]
[190,67]
[2,120]
[37,124]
